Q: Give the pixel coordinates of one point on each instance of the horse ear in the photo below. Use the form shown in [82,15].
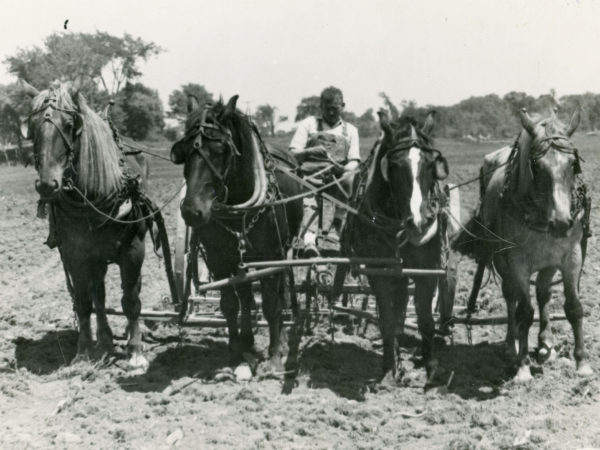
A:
[26,88]
[384,123]
[429,123]
[192,104]
[384,167]
[76,86]
[441,167]
[574,123]
[527,122]
[24,128]
[231,105]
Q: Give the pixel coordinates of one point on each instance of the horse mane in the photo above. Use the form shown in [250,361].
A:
[238,122]
[98,161]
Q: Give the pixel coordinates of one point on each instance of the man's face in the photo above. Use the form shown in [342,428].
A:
[332,110]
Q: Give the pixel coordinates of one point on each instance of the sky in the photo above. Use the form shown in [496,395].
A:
[277,52]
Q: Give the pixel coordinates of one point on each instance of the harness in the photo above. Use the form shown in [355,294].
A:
[100,211]
[526,209]
[236,221]
[391,228]
[215,132]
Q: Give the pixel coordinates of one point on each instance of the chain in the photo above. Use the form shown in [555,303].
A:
[469,330]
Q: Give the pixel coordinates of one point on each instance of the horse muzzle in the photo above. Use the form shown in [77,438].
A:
[194,216]
[47,189]
[418,236]
[560,228]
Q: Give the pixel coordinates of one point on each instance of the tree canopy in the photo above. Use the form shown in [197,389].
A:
[309,106]
[104,65]
[265,119]
[178,99]
[103,62]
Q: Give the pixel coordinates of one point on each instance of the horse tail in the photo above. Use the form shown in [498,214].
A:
[162,240]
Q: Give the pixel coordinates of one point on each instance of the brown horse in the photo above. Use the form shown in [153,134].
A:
[231,178]
[75,157]
[401,216]
[533,218]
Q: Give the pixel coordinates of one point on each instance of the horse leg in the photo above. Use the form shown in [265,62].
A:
[230,307]
[104,334]
[244,293]
[542,293]
[399,306]
[80,276]
[573,309]
[424,292]
[272,308]
[130,265]
[519,290]
[511,332]
[384,294]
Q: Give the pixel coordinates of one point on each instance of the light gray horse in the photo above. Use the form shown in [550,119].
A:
[533,218]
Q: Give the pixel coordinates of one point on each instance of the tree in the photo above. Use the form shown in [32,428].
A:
[265,119]
[366,124]
[9,119]
[309,106]
[138,111]
[103,65]
[179,98]
[102,62]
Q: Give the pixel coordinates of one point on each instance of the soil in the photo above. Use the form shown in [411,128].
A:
[188,397]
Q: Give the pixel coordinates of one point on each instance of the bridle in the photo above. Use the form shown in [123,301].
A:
[559,143]
[216,133]
[540,148]
[48,107]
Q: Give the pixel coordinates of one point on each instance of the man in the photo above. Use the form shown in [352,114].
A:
[327,139]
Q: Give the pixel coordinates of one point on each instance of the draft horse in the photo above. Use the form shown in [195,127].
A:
[231,178]
[84,182]
[401,215]
[533,218]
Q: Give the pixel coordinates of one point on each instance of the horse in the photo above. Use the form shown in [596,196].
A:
[400,215]
[231,178]
[533,218]
[84,183]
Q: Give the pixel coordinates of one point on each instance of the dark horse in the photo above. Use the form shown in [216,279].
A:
[401,216]
[75,157]
[533,218]
[231,178]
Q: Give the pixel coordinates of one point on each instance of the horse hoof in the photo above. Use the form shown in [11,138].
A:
[545,354]
[81,358]
[243,372]
[138,362]
[584,369]
[523,375]
[389,380]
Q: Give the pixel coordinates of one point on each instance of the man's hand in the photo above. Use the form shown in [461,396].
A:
[351,165]
[317,151]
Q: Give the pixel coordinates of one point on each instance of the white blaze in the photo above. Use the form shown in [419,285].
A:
[416,198]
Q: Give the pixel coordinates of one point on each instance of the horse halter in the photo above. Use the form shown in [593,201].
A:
[216,133]
[559,143]
[48,107]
